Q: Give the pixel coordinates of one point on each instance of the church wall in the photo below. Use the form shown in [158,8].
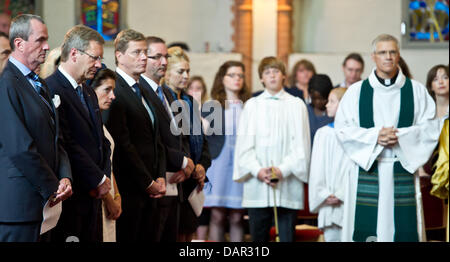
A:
[325,31]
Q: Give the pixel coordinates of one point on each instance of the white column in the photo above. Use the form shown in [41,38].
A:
[264,35]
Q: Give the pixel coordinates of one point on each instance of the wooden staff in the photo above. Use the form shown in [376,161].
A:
[274,179]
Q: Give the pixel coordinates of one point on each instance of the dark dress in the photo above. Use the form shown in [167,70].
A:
[196,147]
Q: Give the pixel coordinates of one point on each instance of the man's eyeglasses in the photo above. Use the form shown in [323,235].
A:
[159,56]
[384,53]
[233,75]
[97,58]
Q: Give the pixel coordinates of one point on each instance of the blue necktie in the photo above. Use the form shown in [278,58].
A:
[137,90]
[40,90]
[163,100]
[81,96]
[161,95]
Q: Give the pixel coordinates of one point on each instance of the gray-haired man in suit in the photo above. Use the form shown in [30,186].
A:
[34,167]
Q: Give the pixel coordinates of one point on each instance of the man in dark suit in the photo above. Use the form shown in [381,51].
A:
[139,157]
[34,168]
[176,159]
[88,149]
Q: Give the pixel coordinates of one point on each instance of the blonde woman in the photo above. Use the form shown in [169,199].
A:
[194,145]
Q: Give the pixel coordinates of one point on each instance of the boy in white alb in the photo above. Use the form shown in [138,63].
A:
[273,136]
[329,167]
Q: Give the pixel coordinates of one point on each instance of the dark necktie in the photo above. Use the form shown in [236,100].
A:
[161,95]
[163,100]
[81,96]
[137,90]
[40,90]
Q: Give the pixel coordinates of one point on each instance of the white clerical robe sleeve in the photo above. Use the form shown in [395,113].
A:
[339,184]
[246,163]
[318,191]
[296,162]
[417,142]
[359,143]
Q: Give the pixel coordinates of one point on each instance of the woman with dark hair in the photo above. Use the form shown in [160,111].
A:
[103,84]
[438,87]
[434,174]
[299,79]
[229,92]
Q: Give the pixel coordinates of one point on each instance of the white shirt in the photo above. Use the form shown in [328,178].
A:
[273,131]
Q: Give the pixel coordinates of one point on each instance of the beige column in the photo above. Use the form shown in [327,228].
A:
[243,34]
[264,35]
[284,29]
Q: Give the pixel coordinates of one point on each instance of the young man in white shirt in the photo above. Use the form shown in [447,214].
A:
[273,138]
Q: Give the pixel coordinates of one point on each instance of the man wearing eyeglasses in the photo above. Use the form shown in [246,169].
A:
[82,128]
[178,166]
[386,125]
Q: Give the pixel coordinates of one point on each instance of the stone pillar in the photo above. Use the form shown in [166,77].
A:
[243,34]
[284,30]
[264,35]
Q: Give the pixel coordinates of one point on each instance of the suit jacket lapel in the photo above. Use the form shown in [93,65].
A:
[131,95]
[73,97]
[93,111]
[154,99]
[32,92]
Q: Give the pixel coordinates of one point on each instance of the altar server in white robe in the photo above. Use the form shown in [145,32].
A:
[273,135]
[387,125]
[329,167]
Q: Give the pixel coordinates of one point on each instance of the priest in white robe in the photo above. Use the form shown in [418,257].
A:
[273,136]
[387,125]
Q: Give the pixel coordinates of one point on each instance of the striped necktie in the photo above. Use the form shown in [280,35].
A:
[40,89]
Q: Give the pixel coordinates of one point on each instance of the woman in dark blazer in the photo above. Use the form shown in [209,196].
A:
[193,140]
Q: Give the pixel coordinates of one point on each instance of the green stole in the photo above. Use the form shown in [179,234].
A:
[404,192]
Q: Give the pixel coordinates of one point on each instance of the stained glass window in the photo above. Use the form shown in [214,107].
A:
[17,7]
[101,15]
[429,20]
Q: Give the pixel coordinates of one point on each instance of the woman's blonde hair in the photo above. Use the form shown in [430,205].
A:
[51,63]
[339,92]
[176,55]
